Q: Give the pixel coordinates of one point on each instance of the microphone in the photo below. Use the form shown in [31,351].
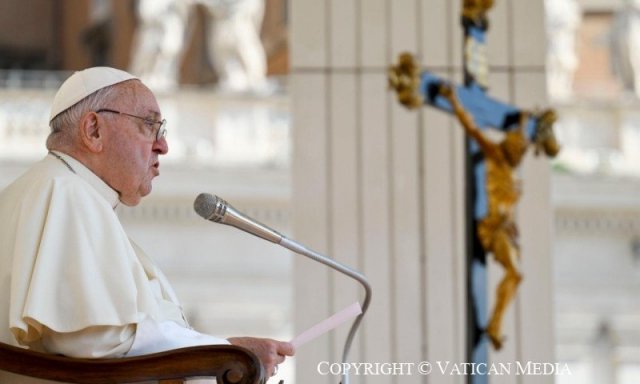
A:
[217,210]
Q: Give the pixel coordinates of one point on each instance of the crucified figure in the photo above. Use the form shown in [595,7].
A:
[497,231]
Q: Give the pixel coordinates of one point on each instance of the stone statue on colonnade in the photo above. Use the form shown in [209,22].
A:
[233,40]
[625,46]
[159,42]
[563,19]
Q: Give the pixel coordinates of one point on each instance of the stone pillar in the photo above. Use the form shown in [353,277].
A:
[381,188]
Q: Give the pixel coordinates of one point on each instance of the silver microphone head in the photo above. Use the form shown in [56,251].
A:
[210,207]
[217,210]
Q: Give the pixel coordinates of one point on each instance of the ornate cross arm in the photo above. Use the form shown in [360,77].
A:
[415,88]
[404,79]
[475,11]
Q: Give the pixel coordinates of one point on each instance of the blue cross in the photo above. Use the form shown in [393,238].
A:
[416,87]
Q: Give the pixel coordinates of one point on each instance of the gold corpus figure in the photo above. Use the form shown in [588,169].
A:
[497,231]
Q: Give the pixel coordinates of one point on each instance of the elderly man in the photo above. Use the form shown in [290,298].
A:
[72,282]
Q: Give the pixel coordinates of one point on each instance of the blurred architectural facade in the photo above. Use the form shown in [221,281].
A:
[596,194]
[73,34]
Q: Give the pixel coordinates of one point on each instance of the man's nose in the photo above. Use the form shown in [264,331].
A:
[161,146]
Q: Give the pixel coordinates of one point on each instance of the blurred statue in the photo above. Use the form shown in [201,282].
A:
[563,20]
[625,46]
[604,364]
[234,46]
[97,36]
[159,42]
[497,231]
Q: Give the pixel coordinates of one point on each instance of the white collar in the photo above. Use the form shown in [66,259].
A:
[110,194]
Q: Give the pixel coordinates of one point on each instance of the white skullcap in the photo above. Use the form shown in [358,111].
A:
[83,83]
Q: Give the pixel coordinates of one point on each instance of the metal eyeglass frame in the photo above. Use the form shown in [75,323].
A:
[160,133]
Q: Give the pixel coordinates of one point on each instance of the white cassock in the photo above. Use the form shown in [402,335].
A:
[71,281]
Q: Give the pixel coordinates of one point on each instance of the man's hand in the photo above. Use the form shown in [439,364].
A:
[270,352]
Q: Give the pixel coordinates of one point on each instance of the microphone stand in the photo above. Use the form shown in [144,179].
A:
[302,250]
[218,210]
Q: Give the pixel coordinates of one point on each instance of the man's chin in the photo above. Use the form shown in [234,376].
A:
[135,198]
[130,202]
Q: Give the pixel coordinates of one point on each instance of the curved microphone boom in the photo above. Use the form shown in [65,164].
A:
[217,210]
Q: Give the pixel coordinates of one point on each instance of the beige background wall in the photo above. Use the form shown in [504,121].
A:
[381,188]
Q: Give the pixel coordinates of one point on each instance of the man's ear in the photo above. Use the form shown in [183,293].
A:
[91,132]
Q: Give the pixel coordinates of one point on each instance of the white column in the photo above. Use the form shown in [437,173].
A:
[382,188]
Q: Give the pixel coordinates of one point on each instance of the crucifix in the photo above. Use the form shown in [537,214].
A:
[493,188]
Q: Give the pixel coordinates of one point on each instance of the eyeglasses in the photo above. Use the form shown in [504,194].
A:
[159,132]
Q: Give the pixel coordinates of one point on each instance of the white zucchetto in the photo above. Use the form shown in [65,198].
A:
[83,83]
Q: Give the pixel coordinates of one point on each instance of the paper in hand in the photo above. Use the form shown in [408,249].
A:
[328,324]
